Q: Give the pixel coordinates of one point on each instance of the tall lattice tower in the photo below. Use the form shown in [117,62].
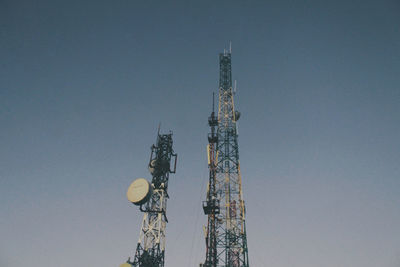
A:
[226,242]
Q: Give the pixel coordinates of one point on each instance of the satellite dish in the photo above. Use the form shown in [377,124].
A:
[125,265]
[139,191]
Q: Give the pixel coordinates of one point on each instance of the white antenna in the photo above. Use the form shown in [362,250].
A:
[234,88]
[230,47]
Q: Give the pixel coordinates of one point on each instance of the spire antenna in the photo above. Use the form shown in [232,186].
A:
[213,103]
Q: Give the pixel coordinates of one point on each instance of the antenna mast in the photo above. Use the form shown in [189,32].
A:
[150,249]
[226,240]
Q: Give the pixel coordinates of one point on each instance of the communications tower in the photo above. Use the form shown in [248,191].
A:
[226,243]
[152,199]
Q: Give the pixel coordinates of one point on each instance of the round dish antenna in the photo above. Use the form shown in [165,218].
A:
[139,192]
[151,166]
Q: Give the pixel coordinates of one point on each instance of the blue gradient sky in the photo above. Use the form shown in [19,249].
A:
[84,84]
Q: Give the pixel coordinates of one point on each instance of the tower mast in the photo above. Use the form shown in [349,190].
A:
[226,229]
[211,205]
[150,249]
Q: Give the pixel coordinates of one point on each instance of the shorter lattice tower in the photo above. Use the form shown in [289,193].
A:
[152,199]
[211,206]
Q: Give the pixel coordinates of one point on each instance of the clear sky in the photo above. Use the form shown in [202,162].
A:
[84,84]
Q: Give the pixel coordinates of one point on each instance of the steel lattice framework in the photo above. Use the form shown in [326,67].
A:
[211,206]
[226,230]
[150,250]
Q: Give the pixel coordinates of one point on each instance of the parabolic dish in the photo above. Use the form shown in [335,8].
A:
[139,191]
